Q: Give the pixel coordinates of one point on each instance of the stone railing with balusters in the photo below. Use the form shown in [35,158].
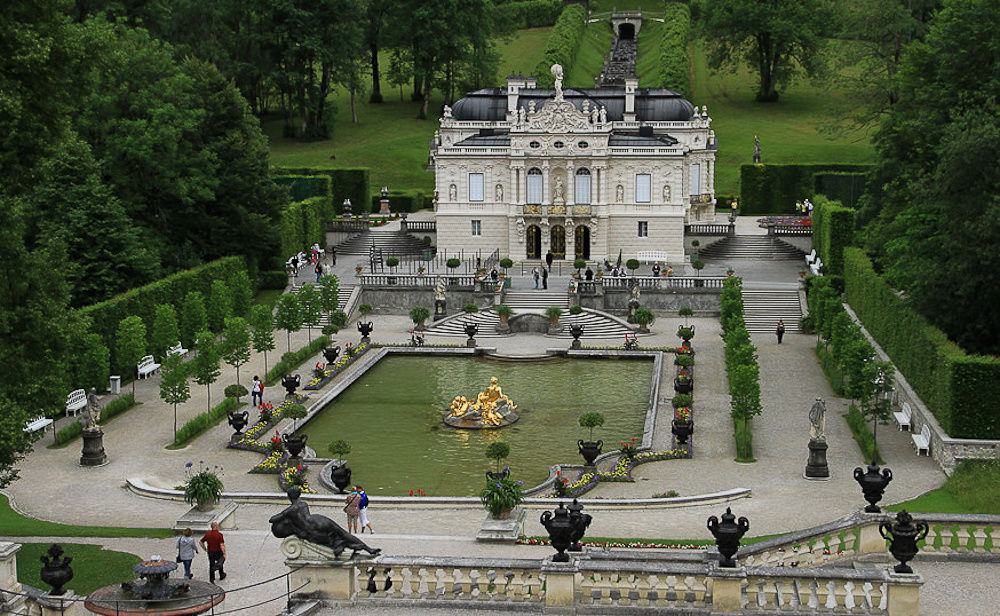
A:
[841,591]
[403,280]
[663,282]
[464,580]
[707,229]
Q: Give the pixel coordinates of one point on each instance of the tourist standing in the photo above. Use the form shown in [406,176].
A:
[535,275]
[214,545]
[352,508]
[779,331]
[187,547]
[548,259]
[319,271]
[363,508]
[656,270]
[257,392]
[545,278]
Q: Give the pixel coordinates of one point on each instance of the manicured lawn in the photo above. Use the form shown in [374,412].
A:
[648,54]
[589,60]
[267,297]
[92,566]
[13,524]
[973,488]
[521,53]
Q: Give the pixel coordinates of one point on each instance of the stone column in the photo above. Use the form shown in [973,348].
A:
[570,236]
[560,583]
[8,577]
[869,540]
[904,593]
[727,588]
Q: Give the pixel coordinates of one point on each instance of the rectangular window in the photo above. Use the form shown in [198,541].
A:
[582,194]
[643,228]
[643,181]
[534,189]
[696,179]
[477,187]
[477,227]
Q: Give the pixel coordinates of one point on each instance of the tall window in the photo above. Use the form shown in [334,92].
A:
[643,181]
[477,227]
[534,185]
[643,229]
[696,179]
[477,187]
[582,186]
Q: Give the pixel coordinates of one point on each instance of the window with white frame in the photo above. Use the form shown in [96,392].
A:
[477,187]
[534,193]
[696,179]
[477,227]
[643,182]
[582,193]
[643,228]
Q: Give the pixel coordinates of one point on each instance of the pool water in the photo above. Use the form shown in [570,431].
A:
[392,418]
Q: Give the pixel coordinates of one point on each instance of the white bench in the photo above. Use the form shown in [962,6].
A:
[177,349]
[652,256]
[814,267]
[904,418]
[76,401]
[922,441]
[38,423]
[147,366]
[811,257]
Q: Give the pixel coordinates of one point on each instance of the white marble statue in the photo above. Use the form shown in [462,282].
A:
[557,72]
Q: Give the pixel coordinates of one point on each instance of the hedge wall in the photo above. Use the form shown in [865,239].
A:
[562,44]
[833,230]
[353,184]
[674,48]
[404,201]
[529,14]
[105,316]
[302,187]
[774,189]
[844,187]
[959,389]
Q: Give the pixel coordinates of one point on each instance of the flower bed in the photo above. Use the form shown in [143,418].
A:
[274,460]
[772,221]
[295,476]
[331,371]
[617,544]
[622,472]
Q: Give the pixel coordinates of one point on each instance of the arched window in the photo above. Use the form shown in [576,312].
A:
[582,186]
[534,192]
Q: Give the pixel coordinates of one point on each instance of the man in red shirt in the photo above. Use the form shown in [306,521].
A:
[214,545]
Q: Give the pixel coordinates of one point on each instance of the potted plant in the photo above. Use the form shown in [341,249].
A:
[644,317]
[340,474]
[684,361]
[392,262]
[685,332]
[698,265]
[682,425]
[419,314]
[628,448]
[579,264]
[575,309]
[506,264]
[202,488]
[365,309]
[683,383]
[452,263]
[590,449]
[730,271]
[680,400]
[553,313]
[632,265]
[498,451]
[235,391]
[357,270]
[421,270]
[501,496]
[294,412]
[685,312]
[470,309]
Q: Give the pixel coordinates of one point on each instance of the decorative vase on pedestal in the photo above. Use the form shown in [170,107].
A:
[590,450]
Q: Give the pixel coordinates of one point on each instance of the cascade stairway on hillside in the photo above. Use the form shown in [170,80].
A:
[759,247]
[763,308]
[389,242]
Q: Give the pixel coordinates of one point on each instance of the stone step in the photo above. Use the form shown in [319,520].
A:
[762,310]
[595,325]
[750,247]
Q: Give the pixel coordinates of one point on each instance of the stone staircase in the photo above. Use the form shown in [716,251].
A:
[342,296]
[763,308]
[390,243]
[537,301]
[758,247]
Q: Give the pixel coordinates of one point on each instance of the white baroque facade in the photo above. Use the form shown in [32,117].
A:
[583,173]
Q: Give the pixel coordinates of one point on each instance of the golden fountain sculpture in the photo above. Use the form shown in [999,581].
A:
[491,409]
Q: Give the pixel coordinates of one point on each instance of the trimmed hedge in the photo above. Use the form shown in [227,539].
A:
[302,187]
[833,230]
[841,186]
[959,389]
[142,302]
[202,422]
[404,201]
[347,183]
[562,44]
[291,361]
[273,280]
[674,48]
[774,189]
[111,409]
[303,224]
[529,13]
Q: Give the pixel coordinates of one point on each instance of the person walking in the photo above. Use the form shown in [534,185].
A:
[363,508]
[318,270]
[545,278]
[187,547]
[214,545]
[779,331]
[548,259]
[257,391]
[352,508]
[535,275]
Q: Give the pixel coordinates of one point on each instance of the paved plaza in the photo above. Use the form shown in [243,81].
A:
[54,487]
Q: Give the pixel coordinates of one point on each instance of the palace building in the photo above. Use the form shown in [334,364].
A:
[585,173]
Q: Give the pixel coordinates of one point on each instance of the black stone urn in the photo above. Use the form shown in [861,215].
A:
[365,329]
[727,535]
[576,509]
[295,443]
[561,525]
[56,571]
[576,331]
[471,330]
[291,383]
[331,354]
[238,420]
[685,333]
[341,477]
[873,484]
[505,473]
[590,450]
[682,429]
[685,386]
[903,536]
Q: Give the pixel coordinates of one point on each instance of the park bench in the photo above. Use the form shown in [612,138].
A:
[38,423]
[922,441]
[147,366]
[904,418]
[811,257]
[815,266]
[177,349]
[652,256]
[76,401]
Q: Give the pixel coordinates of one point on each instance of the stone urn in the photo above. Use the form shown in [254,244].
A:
[576,509]
[576,331]
[683,386]
[331,354]
[341,477]
[365,329]
[903,536]
[727,535]
[491,476]
[56,571]
[561,526]
[237,421]
[873,484]
[291,383]
[471,329]
[682,429]
[685,333]
[295,443]
[589,450]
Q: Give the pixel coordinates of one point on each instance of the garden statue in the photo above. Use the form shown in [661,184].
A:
[756,150]
[816,467]
[298,521]
[558,192]
[499,193]
[93,412]
[291,383]
[817,420]
[439,298]
[93,437]
[492,409]
[557,72]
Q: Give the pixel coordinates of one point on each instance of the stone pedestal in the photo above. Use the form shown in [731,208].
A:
[471,343]
[321,573]
[816,467]
[504,531]
[384,209]
[560,585]
[440,311]
[576,344]
[201,521]
[14,601]
[904,593]
[727,589]
[93,448]
[66,604]
[870,541]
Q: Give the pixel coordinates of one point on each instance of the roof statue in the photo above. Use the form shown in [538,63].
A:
[557,72]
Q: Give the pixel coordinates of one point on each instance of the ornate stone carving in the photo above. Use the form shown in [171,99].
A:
[532,209]
[520,230]
[558,116]
[581,210]
[557,209]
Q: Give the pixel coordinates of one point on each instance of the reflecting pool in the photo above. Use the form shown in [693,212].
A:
[392,417]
